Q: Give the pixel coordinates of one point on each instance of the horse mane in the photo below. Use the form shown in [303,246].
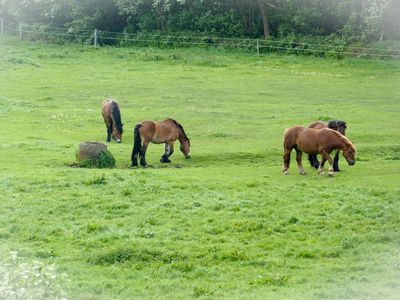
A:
[116,116]
[336,123]
[345,140]
[180,127]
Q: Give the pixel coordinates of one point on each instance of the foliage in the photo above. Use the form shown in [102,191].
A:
[23,280]
[365,20]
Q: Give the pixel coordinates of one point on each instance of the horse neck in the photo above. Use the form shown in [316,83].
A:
[181,137]
[116,117]
[343,142]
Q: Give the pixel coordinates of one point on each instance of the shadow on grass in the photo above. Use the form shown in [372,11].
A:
[222,159]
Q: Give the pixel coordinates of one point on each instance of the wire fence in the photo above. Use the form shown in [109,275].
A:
[334,48]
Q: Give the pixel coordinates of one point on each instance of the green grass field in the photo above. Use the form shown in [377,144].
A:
[224,225]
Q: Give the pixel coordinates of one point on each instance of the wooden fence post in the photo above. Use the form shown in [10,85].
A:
[258,48]
[95,38]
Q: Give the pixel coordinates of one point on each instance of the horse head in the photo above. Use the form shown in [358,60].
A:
[117,135]
[341,127]
[185,148]
[338,125]
[349,154]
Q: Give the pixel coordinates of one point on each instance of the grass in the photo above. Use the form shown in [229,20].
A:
[225,224]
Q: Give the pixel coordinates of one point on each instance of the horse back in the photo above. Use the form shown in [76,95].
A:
[302,138]
[106,110]
[159,132]
[317,125]
[147,130]
[333,139]
[291,136]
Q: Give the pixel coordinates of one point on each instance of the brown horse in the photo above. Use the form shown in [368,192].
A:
[166,132]
[337,125]
[112,117]
[315,141]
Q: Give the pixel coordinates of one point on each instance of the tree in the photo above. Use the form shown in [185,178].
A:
[264,5]
[376,15]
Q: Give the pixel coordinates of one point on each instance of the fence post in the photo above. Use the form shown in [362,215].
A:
[95,38]
[1,25]
[258,48]
[20,31]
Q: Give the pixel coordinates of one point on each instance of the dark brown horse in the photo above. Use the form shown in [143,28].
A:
[315,141]
[337,125]
[112,117]
[165,132]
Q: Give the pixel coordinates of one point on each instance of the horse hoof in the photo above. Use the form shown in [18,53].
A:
[286,173]
[331,174]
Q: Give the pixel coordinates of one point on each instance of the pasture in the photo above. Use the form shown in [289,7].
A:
[225,224]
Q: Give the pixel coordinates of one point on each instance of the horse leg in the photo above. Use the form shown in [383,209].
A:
[134,160]
[299,164]
[171,149]
[313,160]
[167,153]
[321,166]
[109,130]
[336,162]
[326,157]
[143,150]
[286,161]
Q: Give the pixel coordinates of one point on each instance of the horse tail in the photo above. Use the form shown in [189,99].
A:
[116,116]
[137,141]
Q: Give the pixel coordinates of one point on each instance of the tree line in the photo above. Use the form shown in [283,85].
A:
[363,21]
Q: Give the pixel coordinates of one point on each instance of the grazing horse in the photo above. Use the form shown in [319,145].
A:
[166,132]
[335,125]
[312,141]
[112,118]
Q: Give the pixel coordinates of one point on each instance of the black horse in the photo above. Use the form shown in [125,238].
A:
[337,125]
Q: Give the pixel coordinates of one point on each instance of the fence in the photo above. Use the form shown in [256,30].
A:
[335,48]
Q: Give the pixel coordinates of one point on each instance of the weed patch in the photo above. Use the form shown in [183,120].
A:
[100,180]
[105,159]
[136,255]
[270,280]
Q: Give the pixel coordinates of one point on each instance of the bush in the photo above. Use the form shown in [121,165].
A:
[105,159]
[25,280]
